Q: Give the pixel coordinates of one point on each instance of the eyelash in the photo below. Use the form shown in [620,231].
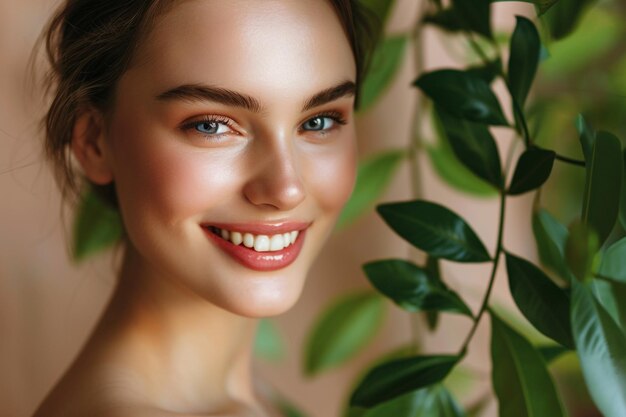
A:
[336,116]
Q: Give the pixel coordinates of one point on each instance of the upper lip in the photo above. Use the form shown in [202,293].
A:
[257,228]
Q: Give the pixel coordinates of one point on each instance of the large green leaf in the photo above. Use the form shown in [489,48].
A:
[475,15]
[551,237]
[603,185]
[474,146]
[412,288]
[400,376]
[386,61]
[450,169]
[97,226]
[545,305]
[601,346]
[463,95]
[581,250]
[524,59]
[434,229]
[457,175]
[613,264]
[373,177]
[343,329]
[564,16]
[269,343]
[532,171]
[427,402]
[446,19]
[542,5]
[521,381]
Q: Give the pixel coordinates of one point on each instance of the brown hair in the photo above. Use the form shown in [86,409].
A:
[90,44]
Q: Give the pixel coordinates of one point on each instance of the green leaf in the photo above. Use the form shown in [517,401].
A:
[342,330]
[613,264]
[601,347]
[524,59]
[532,171]
[455,174]
[603,185]
[475,15]
[581,249]
[521,381]
[545,305]
[463,95]
[287,408]
[434,229]
[551,237]
[373,177]
[269,344]
[428,402]
[411,287]
[474,146]
[563,18]
[450,169]
[587,136]
[386,61]
[622,212]
[611,294]
[97,226]
[541,5]
[400,376]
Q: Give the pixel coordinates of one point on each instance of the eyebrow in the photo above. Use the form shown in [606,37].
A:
[201,92]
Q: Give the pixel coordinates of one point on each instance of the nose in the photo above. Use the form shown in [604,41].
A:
[275,182]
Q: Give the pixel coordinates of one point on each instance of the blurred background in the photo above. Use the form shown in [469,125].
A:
[48,304]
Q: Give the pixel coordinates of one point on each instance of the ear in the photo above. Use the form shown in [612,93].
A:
[90,147]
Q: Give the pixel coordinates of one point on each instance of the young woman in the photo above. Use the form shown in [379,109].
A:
[223,132]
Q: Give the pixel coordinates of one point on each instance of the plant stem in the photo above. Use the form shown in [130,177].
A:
[492,278]
[415,144]
[570,160]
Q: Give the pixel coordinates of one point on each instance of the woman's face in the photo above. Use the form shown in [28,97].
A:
[235,119]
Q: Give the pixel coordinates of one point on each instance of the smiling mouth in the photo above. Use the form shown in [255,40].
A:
[277,249]
[257,242]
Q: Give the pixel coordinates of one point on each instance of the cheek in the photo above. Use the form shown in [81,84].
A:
[156,175]
[332,176]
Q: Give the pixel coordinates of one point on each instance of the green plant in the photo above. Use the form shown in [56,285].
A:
[576,298]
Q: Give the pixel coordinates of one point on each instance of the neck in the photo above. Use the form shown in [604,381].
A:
[188,354]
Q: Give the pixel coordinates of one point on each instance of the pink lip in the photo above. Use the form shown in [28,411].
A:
[260,261]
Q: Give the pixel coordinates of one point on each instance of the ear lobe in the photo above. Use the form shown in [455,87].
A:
[90,148]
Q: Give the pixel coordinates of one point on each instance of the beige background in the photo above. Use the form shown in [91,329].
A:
[48,305]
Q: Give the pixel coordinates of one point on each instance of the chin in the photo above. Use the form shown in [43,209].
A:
[269,295]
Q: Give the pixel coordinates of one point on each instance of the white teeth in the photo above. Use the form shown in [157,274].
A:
[277,242]
[236,238]
[262,243]
[248,240]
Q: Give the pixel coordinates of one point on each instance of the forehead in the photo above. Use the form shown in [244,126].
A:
[255,46]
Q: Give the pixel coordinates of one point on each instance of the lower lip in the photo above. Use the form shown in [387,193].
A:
[260,261]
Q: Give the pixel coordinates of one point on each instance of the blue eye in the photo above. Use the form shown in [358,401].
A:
[319,123]
[211,127]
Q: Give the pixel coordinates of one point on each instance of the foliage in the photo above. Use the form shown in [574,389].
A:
[576,296]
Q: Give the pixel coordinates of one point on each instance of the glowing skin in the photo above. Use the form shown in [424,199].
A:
[177,335]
